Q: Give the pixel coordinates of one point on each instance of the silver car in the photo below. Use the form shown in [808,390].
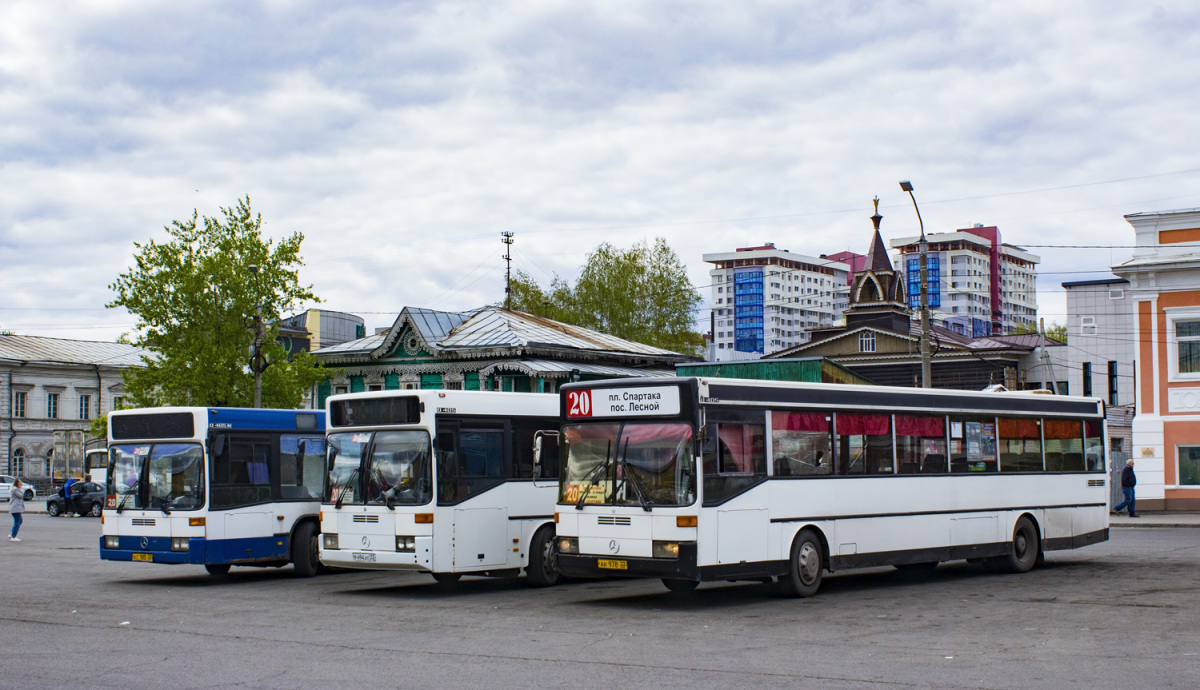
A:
[6,482]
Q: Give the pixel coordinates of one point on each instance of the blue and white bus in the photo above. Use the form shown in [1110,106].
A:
[215,486]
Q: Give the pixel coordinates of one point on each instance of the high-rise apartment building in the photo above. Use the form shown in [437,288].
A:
[978,285]
[765,299]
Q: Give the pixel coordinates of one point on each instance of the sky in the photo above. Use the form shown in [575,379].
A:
[401,138]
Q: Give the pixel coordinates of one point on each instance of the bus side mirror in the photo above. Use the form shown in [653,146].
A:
[545,447]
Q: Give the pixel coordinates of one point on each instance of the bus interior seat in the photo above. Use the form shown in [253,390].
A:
[1073,462]
[935,463]
[1054,462]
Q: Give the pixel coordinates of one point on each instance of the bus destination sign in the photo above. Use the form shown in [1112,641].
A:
[642,401]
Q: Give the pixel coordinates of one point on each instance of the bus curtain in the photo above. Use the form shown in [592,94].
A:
[1061,428]
[863,424]
[1018,428]
[930,427]
[800,421]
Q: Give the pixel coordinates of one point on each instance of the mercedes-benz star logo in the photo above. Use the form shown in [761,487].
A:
[614,546]
[366,543]
[145,542]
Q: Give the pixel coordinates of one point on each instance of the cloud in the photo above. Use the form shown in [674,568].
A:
[401,138]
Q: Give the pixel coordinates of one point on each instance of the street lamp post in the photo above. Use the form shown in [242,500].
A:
[923,250]
[258,363]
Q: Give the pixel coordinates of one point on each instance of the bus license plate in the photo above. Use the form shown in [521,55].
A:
[613,565]
[363,557]
[148,557]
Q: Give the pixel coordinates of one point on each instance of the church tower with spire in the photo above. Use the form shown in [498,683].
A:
[877,295]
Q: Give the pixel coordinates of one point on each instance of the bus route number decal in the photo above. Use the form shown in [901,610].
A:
[579,403]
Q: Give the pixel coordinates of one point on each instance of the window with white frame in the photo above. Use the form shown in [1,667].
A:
[1187,346]
[1189,465]
[18,462]
[374,386]
[52,405]
[85,407]
[1117,293]
[1087,325]
[866,341]
[19,403]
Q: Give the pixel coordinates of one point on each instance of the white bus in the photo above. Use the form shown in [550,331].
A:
[442,482]
[721,479]
[95,465]
[214,486]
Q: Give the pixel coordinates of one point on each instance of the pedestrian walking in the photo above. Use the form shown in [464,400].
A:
[16,507]
[1128,481]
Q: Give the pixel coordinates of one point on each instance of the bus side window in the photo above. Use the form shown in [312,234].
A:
[736,462]
[301,463]
[241,475]
[477,464]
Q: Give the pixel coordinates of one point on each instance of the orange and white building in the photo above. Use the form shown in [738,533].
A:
[1164,286]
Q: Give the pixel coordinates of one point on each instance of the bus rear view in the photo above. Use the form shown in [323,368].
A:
[215,487]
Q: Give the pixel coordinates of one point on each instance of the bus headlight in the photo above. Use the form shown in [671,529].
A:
[406,544]
[112,541]
[179,543]
[665,549]
[568,545]
[330,541]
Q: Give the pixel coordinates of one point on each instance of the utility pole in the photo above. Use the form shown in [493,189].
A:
[923,250]
[507,239]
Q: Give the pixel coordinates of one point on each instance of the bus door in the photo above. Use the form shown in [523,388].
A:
[734,462]
[473,464]
[241,491]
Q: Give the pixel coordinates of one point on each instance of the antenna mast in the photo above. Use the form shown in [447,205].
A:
[507,240]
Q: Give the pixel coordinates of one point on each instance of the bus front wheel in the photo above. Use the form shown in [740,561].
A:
[1025,547]
[807,566]
[304,550]
[541,572]
[680,586]
[216,568]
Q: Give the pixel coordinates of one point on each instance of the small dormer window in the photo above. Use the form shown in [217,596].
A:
[866,342]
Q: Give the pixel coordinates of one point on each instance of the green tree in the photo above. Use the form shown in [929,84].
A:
[195,298]
[641,294]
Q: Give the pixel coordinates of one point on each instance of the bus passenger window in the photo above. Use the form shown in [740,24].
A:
[864,444]
[737,462]
[301,463]
[921,444]
[1020,445]
[1064,445]
[802,443]
[470,461]
[1093,441]
[241,474]
[972,444]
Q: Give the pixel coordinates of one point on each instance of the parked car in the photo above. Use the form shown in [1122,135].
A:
[6,482]
[87,498]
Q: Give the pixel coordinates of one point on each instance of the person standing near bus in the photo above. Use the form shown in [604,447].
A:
[16,507]
[1128,481]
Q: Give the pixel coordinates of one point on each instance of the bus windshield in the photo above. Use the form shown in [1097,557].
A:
[397,471]
[167,476]
[646,464]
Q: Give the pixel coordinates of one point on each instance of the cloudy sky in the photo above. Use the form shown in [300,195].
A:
[402,138]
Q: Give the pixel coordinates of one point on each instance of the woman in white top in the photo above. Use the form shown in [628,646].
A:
[16,507]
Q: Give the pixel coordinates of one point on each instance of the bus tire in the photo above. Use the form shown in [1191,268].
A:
[1025,547]
[680,586]
[541,572]
[447,579]
[305,560]
[806,567]
[216,568]
[96,510]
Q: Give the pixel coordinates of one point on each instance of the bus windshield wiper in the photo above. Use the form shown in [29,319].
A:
[132,490]
[343,486]
[639,489]
[587,481]
[165,505]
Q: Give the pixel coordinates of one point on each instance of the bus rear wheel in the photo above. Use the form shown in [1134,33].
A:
[216,568]
[1025,547]
[305,560]
[680,586]
[807,566]
[541,572]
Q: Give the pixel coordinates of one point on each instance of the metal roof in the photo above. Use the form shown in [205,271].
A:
[435,325]
[496,327]
[354,347]
[546,368]
[38,349]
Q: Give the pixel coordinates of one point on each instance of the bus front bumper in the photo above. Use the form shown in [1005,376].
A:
[153,550]
[596,565]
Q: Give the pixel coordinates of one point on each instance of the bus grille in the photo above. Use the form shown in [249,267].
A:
[366,518]
[1095,482]
[143,522]
[613,520]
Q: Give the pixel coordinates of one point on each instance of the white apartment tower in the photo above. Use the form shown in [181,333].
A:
[978,285]
[765,299]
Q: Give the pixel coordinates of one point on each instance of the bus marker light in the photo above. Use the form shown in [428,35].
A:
[556,517]
[685,520]
[196,522]
[423,518]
